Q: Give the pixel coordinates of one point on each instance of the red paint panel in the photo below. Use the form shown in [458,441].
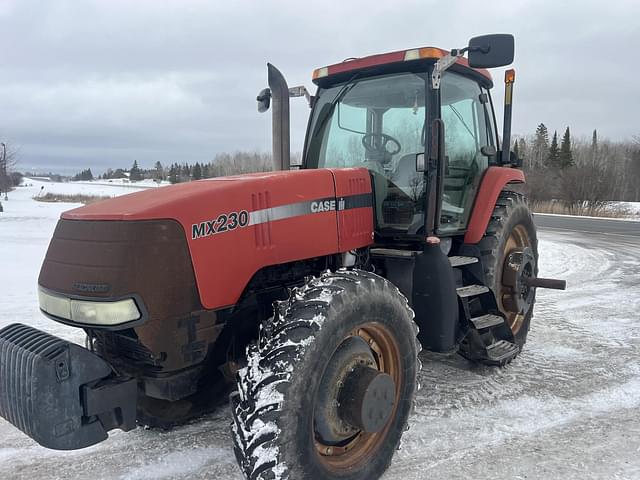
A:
[364,62]
[355,226]
[493,181]
[224,262]
[393,57]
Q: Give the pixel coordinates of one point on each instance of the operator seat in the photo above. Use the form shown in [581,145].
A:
[405,174]
[379,186]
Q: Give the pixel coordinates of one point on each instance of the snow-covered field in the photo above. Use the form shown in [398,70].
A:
[106,188]
[633,207]
[566,408]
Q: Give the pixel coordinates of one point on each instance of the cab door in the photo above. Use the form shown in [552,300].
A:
[466,113]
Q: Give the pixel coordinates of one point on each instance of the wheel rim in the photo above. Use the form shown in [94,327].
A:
[507,297]
[359,448]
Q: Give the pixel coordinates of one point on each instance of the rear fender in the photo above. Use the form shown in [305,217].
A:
[493,181]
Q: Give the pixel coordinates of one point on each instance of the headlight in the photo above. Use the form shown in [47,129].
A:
[89,312]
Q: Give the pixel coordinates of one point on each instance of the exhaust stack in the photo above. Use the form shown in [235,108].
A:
[509,79]
[279,119]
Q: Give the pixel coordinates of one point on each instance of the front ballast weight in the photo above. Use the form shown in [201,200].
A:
[58,393]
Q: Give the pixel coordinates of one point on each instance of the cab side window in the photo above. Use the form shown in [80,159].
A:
[466,132]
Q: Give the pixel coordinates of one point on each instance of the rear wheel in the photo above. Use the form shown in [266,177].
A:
[510,254]
[329,387]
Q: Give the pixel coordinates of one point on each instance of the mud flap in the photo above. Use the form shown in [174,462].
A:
[60,394]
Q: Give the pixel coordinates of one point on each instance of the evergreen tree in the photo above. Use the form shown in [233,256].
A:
[206,172]
[173,174]
[565,158]
[594,146]
[522,147]
[84,175]
[554,152]
[540,145]
[159,172]
[197,171]
[134,173]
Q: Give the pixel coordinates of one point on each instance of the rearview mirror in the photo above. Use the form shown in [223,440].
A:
[264,100]
[352,119]
[488,51]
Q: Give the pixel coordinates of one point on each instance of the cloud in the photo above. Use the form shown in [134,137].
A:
[103,83]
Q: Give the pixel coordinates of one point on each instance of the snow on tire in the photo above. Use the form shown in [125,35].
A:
[287,420]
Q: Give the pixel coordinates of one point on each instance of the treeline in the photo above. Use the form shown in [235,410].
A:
[10,180]
[83,175]
[223,164]
[559,168]
[579,172]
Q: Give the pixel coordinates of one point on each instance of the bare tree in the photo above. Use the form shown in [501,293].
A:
[8,161]
[587,186]
[225,164]
[634,169]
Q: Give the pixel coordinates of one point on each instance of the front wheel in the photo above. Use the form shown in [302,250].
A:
[509,254]
[329,387]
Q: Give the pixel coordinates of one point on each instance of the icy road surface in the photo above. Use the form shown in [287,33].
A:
[566,408]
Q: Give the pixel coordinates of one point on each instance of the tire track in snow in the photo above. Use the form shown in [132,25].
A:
[580,364]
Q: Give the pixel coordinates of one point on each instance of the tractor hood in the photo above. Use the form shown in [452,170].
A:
[176,201]
[232,227]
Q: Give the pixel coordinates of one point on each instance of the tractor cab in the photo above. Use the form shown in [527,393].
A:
[378,112]
[381,122]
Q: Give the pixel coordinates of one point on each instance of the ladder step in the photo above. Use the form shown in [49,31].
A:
[487,321]
[392,252]
[501,352]
[471,290]
[460,261]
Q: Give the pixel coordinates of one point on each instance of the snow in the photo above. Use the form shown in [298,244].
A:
[174,464]
[631,212]
[634,218]
[634,207]
[107,188]
[565,408]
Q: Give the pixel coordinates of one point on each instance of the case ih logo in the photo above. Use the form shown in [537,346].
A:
[327,205]
[91,287]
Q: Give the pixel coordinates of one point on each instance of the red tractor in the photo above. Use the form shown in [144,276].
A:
[312,288]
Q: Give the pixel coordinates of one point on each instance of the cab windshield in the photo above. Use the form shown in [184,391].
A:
[377,123]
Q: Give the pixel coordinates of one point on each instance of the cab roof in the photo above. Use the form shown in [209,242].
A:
[336,72]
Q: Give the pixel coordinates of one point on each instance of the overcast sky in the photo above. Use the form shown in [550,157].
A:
[101,83]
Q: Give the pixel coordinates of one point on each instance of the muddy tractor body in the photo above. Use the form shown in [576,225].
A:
[304,287]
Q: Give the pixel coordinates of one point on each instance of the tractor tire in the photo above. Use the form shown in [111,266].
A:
[511,227]
[294,414]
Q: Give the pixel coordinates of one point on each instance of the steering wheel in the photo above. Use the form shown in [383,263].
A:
[369,144]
